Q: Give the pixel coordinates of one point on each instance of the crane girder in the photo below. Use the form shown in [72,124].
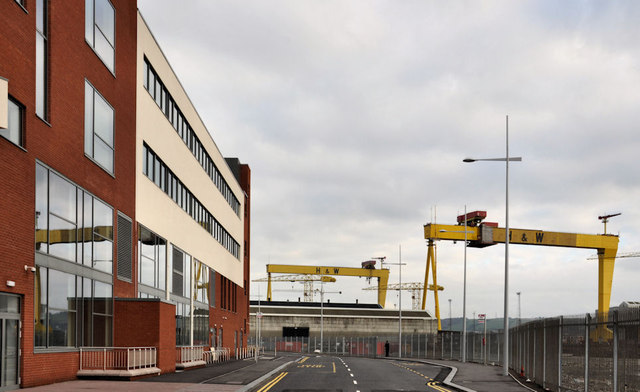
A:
[486,234]
[381,274]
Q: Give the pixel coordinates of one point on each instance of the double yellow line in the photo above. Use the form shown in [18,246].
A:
[273,382]
[434,385]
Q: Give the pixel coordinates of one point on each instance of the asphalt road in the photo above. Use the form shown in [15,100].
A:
[326,373]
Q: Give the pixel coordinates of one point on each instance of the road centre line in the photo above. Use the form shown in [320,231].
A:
[273,382]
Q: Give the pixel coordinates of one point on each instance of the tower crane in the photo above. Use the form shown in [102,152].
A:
[415,287]
[306,280]
[481,234]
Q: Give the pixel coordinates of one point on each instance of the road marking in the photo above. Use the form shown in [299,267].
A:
[435,386]
[355,382]
[334,367]
[273,382]
[303,359]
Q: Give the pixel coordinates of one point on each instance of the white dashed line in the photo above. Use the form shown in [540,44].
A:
[351,374]
[355,382]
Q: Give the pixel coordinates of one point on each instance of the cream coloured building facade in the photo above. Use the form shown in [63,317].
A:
[189,205]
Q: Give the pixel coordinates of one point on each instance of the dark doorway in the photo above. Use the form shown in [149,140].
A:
[295,332]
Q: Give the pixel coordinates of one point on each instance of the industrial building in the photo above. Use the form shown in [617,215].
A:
[122,224]
[281,319]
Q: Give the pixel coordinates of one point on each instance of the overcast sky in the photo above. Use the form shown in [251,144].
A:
[354,117]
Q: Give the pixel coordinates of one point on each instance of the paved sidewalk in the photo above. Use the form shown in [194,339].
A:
[233,376]
[482,378]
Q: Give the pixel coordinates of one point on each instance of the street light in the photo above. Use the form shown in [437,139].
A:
[399,264]
[464,287]
[506,160]
[323,280]
[449,314]
[519,314]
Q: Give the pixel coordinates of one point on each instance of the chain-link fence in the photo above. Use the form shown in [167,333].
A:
[590,353]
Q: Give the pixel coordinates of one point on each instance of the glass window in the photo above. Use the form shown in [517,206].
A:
[14,131]
[42,209]
[41,58]
[62,309]
[40,307]
[152,266]
[98,128]
[62,238]
[100,30]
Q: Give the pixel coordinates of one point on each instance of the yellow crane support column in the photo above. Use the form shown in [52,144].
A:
[431,262]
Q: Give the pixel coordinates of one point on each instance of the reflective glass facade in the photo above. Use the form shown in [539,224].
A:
[71,311]
[72,224]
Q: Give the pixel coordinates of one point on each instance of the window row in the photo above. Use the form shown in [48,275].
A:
[71,223]
[71,311]
[228,295]
[163,99]
[158,172]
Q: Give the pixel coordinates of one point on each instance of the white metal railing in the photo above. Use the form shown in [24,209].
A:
[117,358]
[217,355]
[246,352]
[189,354]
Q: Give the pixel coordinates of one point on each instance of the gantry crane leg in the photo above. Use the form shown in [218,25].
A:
[606,262]
[431,262]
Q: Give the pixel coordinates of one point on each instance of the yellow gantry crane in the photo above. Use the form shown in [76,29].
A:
[381,274]
[416,289]
[481,234]
[306,280]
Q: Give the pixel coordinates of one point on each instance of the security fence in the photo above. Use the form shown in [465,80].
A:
[590,353]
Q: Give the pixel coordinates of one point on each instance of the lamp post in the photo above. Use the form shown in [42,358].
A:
[506,160]
[322,292]
[464,287]
[449,314]
[399,264]
[519,314]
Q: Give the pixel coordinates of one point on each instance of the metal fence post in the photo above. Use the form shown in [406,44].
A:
[615,350]
[544,353]
[587,322]
[560,354]
[533,368]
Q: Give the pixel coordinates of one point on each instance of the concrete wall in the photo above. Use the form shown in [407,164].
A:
[341,322]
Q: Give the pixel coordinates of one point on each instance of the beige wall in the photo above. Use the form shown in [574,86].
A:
[157,211]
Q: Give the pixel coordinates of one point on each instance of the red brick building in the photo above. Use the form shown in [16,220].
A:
[97,248]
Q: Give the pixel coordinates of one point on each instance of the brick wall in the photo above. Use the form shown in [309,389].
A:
[147,323]
[59,143]
[238,320]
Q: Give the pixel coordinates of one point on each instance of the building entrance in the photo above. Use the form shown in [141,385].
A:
[9,342]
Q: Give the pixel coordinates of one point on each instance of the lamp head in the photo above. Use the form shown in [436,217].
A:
[468,160]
